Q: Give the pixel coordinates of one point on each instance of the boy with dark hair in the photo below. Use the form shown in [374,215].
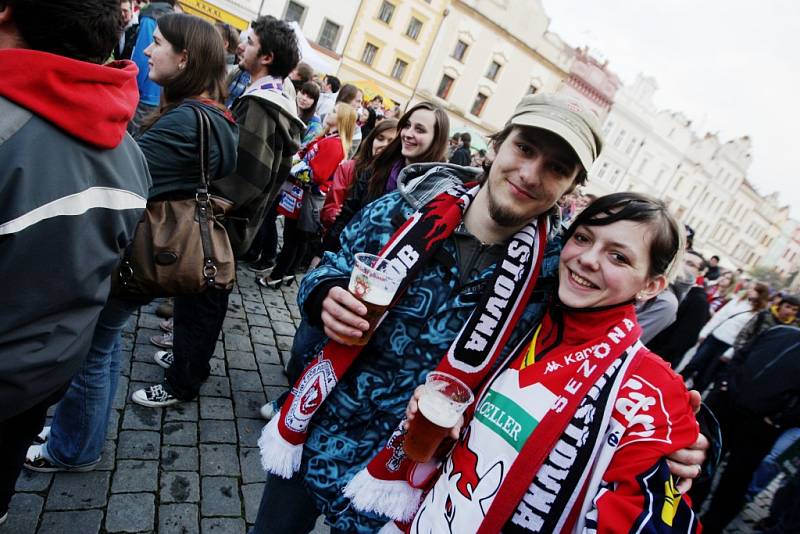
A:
[74,204]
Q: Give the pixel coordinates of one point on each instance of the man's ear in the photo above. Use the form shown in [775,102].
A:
[267,59]
[655,285]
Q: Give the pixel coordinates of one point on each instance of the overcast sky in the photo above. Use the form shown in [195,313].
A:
[731,67]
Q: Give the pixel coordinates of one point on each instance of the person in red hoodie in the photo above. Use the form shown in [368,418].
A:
[72,188]
[319,160]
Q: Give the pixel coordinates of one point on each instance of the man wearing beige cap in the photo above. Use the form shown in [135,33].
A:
[460,284]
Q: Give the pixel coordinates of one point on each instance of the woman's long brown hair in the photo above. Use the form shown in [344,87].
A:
[381,167]
[205,63]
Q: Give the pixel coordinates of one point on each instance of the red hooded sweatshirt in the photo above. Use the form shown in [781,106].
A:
[91,102]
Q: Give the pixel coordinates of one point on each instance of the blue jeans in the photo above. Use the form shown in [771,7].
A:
[80,423]
[769,467]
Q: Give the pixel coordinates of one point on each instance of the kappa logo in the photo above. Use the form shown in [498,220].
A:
[640,408]
[314,387]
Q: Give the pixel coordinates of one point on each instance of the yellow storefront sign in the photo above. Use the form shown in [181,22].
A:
[211,12]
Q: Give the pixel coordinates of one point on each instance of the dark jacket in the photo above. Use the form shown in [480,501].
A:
[764,376]
[73,185]
[171,147]
[269,134]
[126,50]
[461,156]
[680,336]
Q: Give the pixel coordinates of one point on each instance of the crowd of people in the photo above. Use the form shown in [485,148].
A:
[566,315]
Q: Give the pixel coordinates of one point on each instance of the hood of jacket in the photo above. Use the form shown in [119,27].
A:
[156,9]
[419,183]
[91,102]
[286,120]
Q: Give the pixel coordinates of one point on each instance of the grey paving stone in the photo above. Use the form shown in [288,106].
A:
[254,307]
[146,372]
[219,349]
[262,335]
[144,353]
[238,359]
[178,519]
[256,319]
[143,336]
[246,380]
[184,411]
[217,367]
[179,458]
[234,298]
[235,311]
[236,326]
[219,525]
[180,433]
[273,392]
[250,293]
[74,491]
[267,354]
[283,328]
[294,311]
[248,403]
[250,460]
[23,513]
[131,512]
[216,386]
[121,397]
[179,486]
[64,522]
[273,299]
[220,497]
[138,445]
[216,431]
[279,314]
[108,456]
[252,498]
[32,481]
[134,476]
[141,418]
[249,431]
[273,375]
[219,460]
[286,355]
[215,408]
[283,342]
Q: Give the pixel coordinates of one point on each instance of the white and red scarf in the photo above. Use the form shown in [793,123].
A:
[469,358]
[542,424]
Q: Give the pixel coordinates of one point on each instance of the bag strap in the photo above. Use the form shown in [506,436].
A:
[204,208]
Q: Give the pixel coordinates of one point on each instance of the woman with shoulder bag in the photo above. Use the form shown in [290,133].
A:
[319,161]
[187,58]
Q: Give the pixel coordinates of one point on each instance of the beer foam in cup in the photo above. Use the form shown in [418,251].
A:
[376,295]
[438,409]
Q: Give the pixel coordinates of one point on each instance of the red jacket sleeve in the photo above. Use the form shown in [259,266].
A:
[329,153]
[342,178]
[638,491]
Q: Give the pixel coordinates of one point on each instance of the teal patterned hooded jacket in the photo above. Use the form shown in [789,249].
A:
[369,402]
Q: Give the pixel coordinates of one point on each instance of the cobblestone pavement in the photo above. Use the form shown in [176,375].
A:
[193,467]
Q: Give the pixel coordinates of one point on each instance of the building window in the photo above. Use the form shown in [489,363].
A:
[532,89]
[479,104]
[494,69]
[631,146]
[386,12]
[399,69]
[603,169]
[329,35]
[460,51]
[444,86]
[414,27]
[294,13]
[369,53]
[620,137]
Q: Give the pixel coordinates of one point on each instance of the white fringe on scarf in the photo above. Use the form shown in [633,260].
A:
[392,498]
[278,456]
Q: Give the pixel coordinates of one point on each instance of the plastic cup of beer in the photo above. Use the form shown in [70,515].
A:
[374,281]
[444,398]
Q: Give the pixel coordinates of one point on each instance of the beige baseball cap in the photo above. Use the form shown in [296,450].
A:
[568,119]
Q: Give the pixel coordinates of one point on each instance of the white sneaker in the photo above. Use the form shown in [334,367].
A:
[42,437]
[154,397]
[269,410]
[164,358]
[163,341]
